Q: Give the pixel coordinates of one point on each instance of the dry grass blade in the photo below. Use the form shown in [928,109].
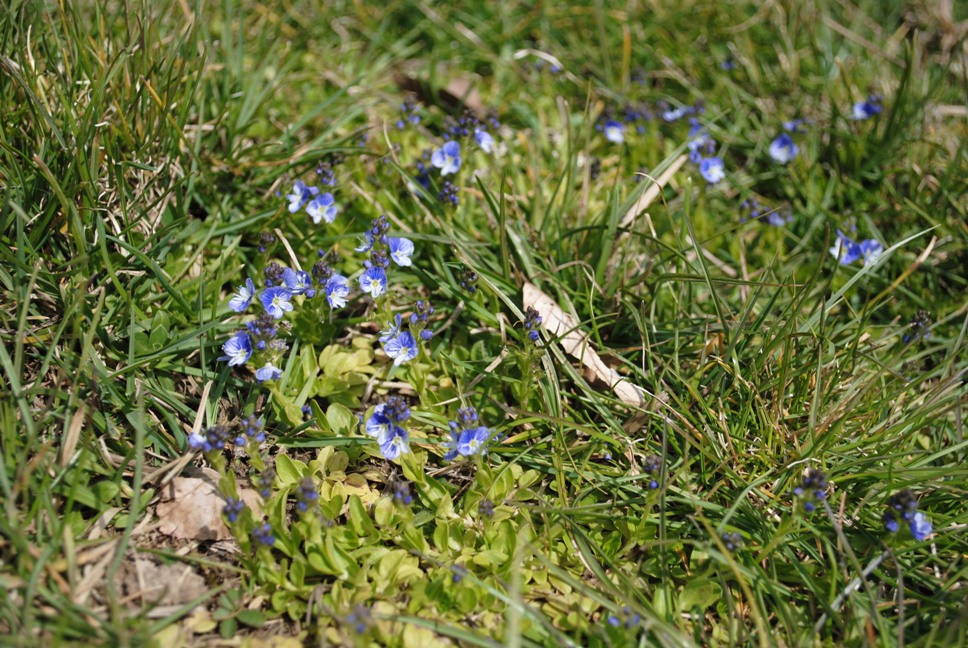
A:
[575,343]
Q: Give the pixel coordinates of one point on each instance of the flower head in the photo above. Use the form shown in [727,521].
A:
[374,280]
[447,158]
[614,131]
[846,250]
[337,290]
[484,140]
[243,297]
[401,249]
[903,506]
[866,109]
[268,372]
[401,347]
[276,301]
[238,349]
[300,195]
[812,489]
[467,438]
[262,534]
[783,148]
[322,208]
[712,169]
[653,468]
[298,282]
[394,441]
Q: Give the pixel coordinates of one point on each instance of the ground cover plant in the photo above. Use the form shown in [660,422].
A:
[550,325]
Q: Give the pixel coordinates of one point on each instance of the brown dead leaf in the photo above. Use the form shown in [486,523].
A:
[191,507]
[155,584]
[576,344]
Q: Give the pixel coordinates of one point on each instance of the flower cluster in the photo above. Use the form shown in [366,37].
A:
[319,206]
[701,148]
[233,509]
[401,493]
[846,250]
[732,541]
[409,114]
[626,618]
[468,280]
[214,439]
[262,534]
[812,489]
[903,506]
[532,320]
[382,248]
[385,425]
[468,437]
[653,468]
[306,495]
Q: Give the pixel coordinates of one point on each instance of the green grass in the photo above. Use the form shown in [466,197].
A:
[141,151]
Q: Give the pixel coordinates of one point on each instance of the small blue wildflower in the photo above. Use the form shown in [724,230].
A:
[473,441]
[447,158]
[625,618]
[298,282]
[392,328]
[263,330]
[276,301]
[254,428]
[677,113]
[238,349]
[783,148]
[846,250]
[232,509]
[373,280]
[401,249]
[468,280]
[700,142]
[322,208]
[614,131]
[268,372]
[241,299]
[920,527]
[366,243]
[712,169]
[401,348]
[262,534]
[484,140]
[904,506]
[866,109]
[264,484]
[300,195]
[394,441]
[266,239]
[214,438]
[458,573]
[795,126]
[337,290]
[326,174]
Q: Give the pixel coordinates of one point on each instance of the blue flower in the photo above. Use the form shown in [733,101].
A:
[402,348]
[447,158]
[276,301]
[473,441]
[238,349]
[366,243]
[379,422]
[323,207]
[401,249]
[394,441]
[700,142]
[241,299]
[373,280]
[268,372]
[920,526]
[301,194]
[794,126]
[263,535]
[337,290]
[298,282]
[783,149]
[232,509]
[677,113]
[712,169]
[866,109]
[614,131]
[392,330]
[846,250]
[484,140]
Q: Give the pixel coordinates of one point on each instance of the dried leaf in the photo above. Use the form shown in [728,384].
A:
[575,343]
[191,507]
[459,94]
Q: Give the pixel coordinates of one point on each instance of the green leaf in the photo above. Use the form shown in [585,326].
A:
[227,628]
[360,520]
[288,470]
[699,593]
[251,618]
[341,420]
